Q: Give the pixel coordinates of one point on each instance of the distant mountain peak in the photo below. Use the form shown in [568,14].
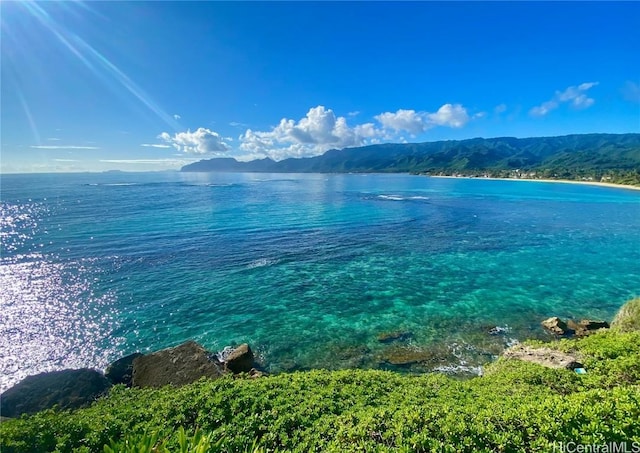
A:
[577,151]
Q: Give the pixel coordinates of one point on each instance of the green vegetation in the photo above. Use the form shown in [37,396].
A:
[515,406]
[628,317]
[611,158]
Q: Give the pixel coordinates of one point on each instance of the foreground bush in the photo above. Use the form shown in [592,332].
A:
[628,317]
[516,406]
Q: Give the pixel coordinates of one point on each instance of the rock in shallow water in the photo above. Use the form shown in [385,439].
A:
[404,356]
[68,389]
[587,327]
[240,359]
[557,326]
[181,365]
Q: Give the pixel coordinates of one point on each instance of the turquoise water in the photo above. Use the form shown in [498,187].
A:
[308,269]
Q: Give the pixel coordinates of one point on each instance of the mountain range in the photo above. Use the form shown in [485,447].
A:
[568,154]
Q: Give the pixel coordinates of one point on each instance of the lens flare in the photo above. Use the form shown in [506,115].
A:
[96,62]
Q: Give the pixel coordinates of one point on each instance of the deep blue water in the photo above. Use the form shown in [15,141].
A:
[309,269]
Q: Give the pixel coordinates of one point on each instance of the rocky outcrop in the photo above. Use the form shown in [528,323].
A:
[557,326]
[587,327]
[240,359]
[66,389]
[547,357]
[121,371]
[181,365]
[582,328]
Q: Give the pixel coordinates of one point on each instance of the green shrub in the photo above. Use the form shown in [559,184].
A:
[628,317]
[515,407]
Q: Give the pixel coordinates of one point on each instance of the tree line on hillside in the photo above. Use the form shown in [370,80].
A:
[599,157]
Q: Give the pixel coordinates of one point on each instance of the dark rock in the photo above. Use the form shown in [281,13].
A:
[388,337]
[121,371]
[573,365]
[181,365]
[589,324]
[256,373]
[240,359]
[68,389]
[557,326]
[587,327]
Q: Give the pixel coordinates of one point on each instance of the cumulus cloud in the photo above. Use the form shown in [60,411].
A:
[403,120]
[176,116]
[201,141]
[574,95]
[319,131]
[449,115]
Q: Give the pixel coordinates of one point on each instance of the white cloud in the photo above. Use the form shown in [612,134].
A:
[404,120]
[63,147]
[319,131]
[201,141]
[53,139]
[450,115]
[66,160]
[237,124]
[155,145]
[574,95]
[354,113]
[544,108]
[176,116]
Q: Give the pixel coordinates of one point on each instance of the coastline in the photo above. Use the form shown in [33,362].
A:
[560,181]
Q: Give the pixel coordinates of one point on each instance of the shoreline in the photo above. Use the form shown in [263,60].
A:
[560,181]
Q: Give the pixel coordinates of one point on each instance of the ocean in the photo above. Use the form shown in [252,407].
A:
[309,269]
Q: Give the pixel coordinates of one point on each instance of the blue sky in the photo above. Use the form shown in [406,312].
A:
[91,86]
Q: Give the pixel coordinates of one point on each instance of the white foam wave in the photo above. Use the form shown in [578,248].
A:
[458,369]
[401,198]
[262,262]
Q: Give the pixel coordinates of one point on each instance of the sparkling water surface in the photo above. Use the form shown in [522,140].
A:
[309,269]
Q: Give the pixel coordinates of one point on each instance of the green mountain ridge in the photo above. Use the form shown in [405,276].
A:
[570,157]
